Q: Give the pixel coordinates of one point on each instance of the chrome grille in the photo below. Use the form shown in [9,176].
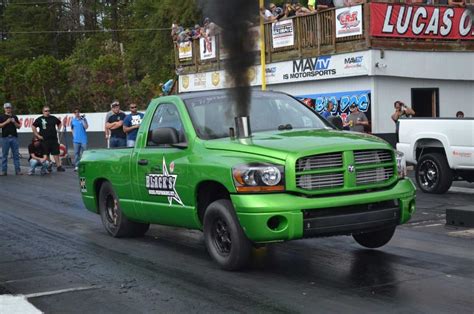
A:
[319,181]
[333,160]
[362,157]
[376,175]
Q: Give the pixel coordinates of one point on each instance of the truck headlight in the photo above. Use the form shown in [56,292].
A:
[401,165]
[259,178]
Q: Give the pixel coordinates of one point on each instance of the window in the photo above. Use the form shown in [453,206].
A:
[166,116]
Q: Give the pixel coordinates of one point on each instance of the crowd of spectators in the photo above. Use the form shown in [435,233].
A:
[181,34]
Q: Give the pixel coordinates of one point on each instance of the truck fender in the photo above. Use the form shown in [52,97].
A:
[433,140]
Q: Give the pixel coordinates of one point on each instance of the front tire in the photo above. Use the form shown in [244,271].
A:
[375,239]
[225,240]
[113,219]
[433,174]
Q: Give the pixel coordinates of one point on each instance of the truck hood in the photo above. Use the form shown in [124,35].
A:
[299,142]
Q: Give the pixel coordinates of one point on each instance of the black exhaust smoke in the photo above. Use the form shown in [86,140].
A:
[235,18]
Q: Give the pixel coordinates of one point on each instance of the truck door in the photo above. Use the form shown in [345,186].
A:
[162,174]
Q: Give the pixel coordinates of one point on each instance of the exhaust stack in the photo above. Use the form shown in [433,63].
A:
[242,126]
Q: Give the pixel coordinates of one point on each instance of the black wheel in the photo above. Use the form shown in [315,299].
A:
[433,174]
[225,240]
[375,239]
[114,221]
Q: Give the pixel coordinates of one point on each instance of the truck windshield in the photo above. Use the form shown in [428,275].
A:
[212,116]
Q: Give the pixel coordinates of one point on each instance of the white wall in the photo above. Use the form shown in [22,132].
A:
[423,64]
[453,96]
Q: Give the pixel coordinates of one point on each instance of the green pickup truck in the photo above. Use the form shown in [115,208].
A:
[290,176]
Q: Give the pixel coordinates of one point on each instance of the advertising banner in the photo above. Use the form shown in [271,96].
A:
[283,34]
[349,21]
[96,121]
[398,20]
[341,100]
[185,50]
[307,69]
[207,47]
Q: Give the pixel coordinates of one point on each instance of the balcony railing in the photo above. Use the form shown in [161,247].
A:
[315,35]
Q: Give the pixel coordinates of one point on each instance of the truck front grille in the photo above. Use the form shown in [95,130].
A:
[349,170]
[320,181]
[374,175]
[363,157]
[319,162]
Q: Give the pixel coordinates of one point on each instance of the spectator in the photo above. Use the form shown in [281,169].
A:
[48,132]
[266,14]
[174,31]
[289,11]
[301,10]
[277,12]
[401,111]
[357,121]
[115,125]
[459,114]
[107,116]
[37,156]
[131,124]
[328,110]
[324,4]
[79,126]
[9,124]
[196,33]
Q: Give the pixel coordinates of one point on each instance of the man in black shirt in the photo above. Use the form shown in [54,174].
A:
[115,125]
[49,135]
[38,156]
[9,124]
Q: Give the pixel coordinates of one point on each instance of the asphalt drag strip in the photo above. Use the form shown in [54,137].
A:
[58,254]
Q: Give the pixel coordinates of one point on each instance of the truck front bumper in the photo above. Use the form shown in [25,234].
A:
[284,216]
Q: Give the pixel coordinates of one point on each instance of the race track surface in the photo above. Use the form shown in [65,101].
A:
[58,254]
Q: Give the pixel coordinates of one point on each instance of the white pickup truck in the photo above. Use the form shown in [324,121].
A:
[441,148]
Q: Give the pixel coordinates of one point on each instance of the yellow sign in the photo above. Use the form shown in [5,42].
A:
[185,82]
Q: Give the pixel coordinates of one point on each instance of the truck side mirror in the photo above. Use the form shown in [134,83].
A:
[335,121]
[165,136]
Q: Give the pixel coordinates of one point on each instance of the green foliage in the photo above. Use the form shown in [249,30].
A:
[41,62]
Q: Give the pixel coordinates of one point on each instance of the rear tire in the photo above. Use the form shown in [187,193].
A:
[375,239]
[113,219]
[433,174]
[225,240]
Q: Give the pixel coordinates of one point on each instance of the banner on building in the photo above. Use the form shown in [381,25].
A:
[95,120]
[341,100]
[349,21]
[283,34]
[398,20]
[207,47]
[185,50]
[306,69]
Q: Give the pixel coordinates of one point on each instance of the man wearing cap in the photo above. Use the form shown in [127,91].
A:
[115,126]
[9,124]
[357,121]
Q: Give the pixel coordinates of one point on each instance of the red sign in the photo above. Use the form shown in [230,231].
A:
[398,20]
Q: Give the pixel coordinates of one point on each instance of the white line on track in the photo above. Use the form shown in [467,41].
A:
[461,190]
[46,293]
